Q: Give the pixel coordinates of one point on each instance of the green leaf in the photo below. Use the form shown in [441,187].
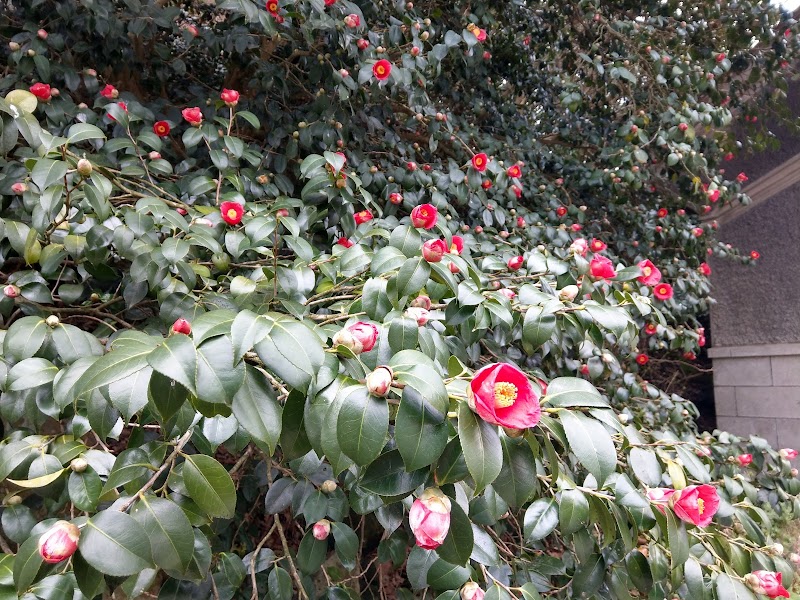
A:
[167,395]
[457,546]
[541,518]
[27,563]
[481,445]
[73,343]
[24,338]
[292,351]
[573,511]
[15,453]
[30,373]
[217,377]
[209,485]
[311,553]
[129,355]
[403,334]
[591,443]
[256,408]
[169,531]
[362,426]
[90,581]
[613,318]
[176,358]
[84,131]
[678,540]
[645,466]
[346,544]
[294,441]
[573,392]
[446,576]
[47,172]
[420,433]
[247,330]
[414,368]
[84,489]
[517,480]
[413,276]
[279,584]
[388,476]
[538,326]
[115,544]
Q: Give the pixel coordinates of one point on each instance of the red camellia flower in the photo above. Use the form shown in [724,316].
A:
[456,245]
[651,329]
[110,92]
[720,57]
[479,162]
[662,212]
[352,20]
[182,326]
[514,171]
[59,542]
[755,255]
[689,355]
[741,177]
[521,222]
[362,44]
[713,195]
[396,198]
[343,241]
[424,216]
[704,269]
[502,395]
[769,583]
[561,211]
[272,7]
[434,250]
[330,2]
[515,263]
[363,216]
[161,128]
[602,268]
[663,291]
[231,212]
[650,274]
[788,453]
[41,91]
[382,69]
[429,518]
[597,246]
[486,184]
[194,116]
[744,459]
[642,359]
[229,97]
[696,504]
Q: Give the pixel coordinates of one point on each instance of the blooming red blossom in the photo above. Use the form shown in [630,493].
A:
[728,156]
[769,583]
[642,359]
[363,216]
[194,116]
[663,291]
[561,211]
[651,329]
[515,263]
[229,97]
[744,459]
[487,184]
[382,69]
[41,90]
[696,504]
[161,128]
[59,542]
[429,518]
[713,195]
[662,212]
[704,269]
[650,274]
[502,395]
[755,255]
[597,246]
[456,244]
[109,92]
[330,2]
[424,216]
[273,7]
[434,250]
[514,171]
[602,268]
[396,198]
[741,177]
[183,326]
[480,161]
[343,241]
[231,212]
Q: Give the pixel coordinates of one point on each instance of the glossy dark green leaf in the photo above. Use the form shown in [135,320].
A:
[412,276]
[573,511]
[541,518]
[362,426]
[176,358]
[257,409]
[130,464]
[573,392]
[167,395]
[280,584]
[115,544]
[538,326]
[27,564]
[481,445]
[457,546]
[420,434]
[311,553]
[388,476]
[403,334]
[90,581]
[209,485]
[217,378]
[517,480]
[346,544]
[591,443]
[443,575]
[293,438]
[84,489]
[645,466]
[292,352]
[169,531]
[24,338]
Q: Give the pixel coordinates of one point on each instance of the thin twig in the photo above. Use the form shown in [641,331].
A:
[254,595]
[292,568]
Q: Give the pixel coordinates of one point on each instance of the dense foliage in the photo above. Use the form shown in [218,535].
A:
[338,299]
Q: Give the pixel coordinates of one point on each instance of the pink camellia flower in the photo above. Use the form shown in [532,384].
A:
[689,355]
[701,341]
[194,116]
[419,314]
[363,216]
[663,291]
[59,542]
[650,274]
[704,269]
[429,518]
[434,250]
[161,128]
[579,246]
[510,294]
[456,245]
[11,291]
[19,187]
[741,177]
[229,97]
[728,156]
[769,583]
[41,91]
[597,245]
[561,211]
[362,44]
[480,161]
[352,20]
[396,198]
[330,2]
[515,263]
[502,395]
[109,92]
[358,337]
[517,191]
[481,35]
[182,326]
[744,459]
[382,69]
[472,591]
[788,453]
[379,381]
[514,171]
[231,212]
[321,529]
[521,222]
[602,268]
[424,216]
[660,497]
[343,241]
[696,504]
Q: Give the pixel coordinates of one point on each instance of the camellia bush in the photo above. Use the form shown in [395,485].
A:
[324,299]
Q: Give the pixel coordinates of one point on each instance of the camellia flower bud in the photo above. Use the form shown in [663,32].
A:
[434,250]
[472,591]
[84,167]
[328,486]
[568,293]
[59,542]
[358,337]
[229,97]
[182,326]
[515,263]
[13,46]
[794,472]
[788,453]
[78,465]
[429,518]
[11,291]
[379,381]
[322,529]
[768,583]
[419,314]
[52,321]
[19,187]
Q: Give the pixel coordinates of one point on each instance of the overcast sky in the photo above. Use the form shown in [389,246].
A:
[790,4]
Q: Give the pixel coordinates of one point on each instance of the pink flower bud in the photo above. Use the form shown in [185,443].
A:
[568,293]
[472,591]
[358,337]
[19,187]
[59,542]
[515,263]
[422,302]
[182,326]
[434,250]
[788,453]
[322,529]
[379,381]
[768,583]
[42,34]
[420,315]
[352,20]
[429,518]
[11,291]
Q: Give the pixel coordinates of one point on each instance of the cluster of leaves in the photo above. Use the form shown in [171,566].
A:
[197,464]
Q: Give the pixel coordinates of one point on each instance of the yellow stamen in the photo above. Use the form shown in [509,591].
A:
[647,271]
[701,506]
[505,394]
[231,214]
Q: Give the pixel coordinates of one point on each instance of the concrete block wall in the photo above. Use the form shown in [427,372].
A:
[757,391]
